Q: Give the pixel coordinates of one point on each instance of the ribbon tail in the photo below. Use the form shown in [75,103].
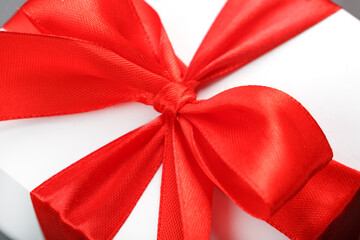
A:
[327,207]
[92,198]
[186,192]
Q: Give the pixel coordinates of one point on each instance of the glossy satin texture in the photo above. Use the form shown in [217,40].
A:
[257,144]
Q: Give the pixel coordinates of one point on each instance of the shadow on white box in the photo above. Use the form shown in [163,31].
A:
[320,68]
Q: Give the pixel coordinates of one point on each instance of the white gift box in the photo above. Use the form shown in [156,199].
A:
[320,68]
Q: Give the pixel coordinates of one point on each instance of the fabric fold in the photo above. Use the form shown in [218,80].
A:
[309,214]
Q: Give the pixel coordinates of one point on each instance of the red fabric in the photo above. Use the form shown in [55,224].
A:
[257,144]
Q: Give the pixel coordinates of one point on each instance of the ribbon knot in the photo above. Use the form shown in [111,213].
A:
[172,97]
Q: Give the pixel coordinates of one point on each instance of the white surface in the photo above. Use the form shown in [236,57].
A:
[21,221]
[319,68]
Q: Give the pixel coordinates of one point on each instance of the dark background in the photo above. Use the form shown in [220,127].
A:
[9,7]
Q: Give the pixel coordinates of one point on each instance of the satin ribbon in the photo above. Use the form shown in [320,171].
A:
[256,144]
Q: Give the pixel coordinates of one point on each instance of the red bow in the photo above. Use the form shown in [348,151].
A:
[257,144]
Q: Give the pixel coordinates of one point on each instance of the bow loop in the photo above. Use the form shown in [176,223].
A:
[144,42]
[245,30]
[257,144]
